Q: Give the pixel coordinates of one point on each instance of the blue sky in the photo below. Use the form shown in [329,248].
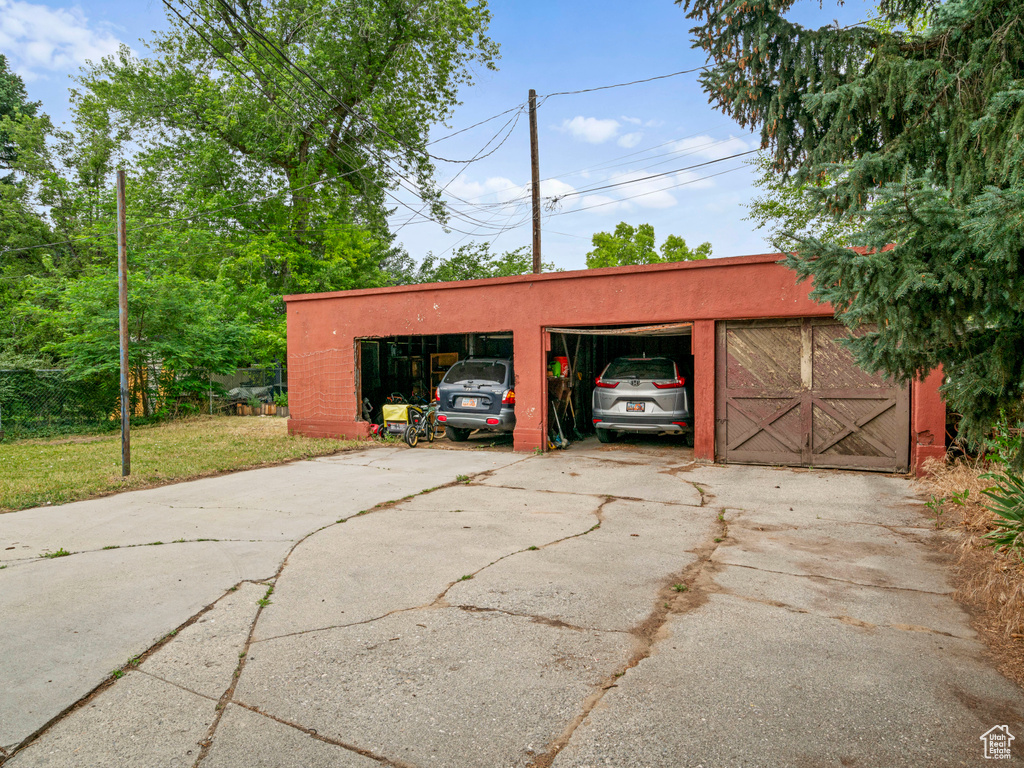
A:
[607,137]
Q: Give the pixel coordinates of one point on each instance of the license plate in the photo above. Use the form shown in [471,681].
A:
[469,402]
[634,407]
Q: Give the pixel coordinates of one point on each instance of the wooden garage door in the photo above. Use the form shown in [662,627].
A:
[787,392]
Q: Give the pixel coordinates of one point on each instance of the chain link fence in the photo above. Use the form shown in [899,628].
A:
[246,386]
[43,403]
[39,403]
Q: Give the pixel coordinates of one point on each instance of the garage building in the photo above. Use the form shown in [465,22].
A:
[772,384]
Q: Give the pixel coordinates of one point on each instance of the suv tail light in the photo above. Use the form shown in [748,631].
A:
[679,382]
[509,398]
[606,384]
[437,395]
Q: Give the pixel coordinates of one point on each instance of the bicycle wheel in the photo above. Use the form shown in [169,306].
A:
[412,436]
[431,427]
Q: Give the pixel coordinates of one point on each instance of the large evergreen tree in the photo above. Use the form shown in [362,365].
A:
[918,132]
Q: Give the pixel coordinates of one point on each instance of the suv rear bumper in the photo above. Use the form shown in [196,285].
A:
[664,423]
[506,420]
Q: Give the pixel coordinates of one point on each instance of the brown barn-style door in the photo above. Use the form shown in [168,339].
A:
[788,392]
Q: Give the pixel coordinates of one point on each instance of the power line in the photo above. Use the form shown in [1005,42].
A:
[631,82]
[474,125]
[514,121]
[651,192]
[587,190]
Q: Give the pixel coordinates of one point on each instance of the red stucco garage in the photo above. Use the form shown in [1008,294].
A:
[772,383]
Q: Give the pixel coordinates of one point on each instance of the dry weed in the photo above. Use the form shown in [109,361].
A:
[990,582]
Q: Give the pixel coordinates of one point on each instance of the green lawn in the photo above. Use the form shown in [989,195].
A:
[34,472]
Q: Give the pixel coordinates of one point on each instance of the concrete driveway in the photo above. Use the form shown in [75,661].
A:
[602,606]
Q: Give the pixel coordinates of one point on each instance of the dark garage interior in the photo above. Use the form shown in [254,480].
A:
[412,366]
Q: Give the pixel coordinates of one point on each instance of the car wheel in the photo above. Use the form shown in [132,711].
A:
[688,439]
[412,437]
[606,436]
[457,434]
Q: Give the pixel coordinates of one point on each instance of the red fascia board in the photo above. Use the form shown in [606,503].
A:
[713,263]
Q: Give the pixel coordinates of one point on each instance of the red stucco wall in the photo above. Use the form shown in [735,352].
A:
[322,329]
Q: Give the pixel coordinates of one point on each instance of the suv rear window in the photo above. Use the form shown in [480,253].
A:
[472,370]
[640,368]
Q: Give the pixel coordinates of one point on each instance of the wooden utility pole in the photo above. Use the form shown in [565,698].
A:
[122,318]
[535,171]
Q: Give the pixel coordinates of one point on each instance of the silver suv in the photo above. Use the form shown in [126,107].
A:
[643,394]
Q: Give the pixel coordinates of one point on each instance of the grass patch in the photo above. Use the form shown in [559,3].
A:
[59,553]
[57,471]
[264,601]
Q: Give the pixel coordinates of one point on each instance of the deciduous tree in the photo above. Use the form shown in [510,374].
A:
[636,245]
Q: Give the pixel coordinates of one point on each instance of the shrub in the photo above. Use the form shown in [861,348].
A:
[1007,504]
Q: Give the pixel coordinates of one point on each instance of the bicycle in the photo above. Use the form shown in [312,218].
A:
[422,423]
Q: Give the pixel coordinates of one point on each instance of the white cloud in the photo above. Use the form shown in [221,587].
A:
[646,193]
[467,190]
[503,190]
[603,203]
[631,120]
[555,188]
[590,129]
[714,149]
[39,39]
[694,180]
[630,140]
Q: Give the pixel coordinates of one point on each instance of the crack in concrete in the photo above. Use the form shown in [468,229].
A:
[546,620]
[312,732]
[176,685]
[705,495]
[834,578]
[850,620]
[396,612]
[112,547]
[439,601]
[111,680]
[228,694]
[245,508]
[891,528]
[598,513]
[670,600]
[205,744]
[594,495]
